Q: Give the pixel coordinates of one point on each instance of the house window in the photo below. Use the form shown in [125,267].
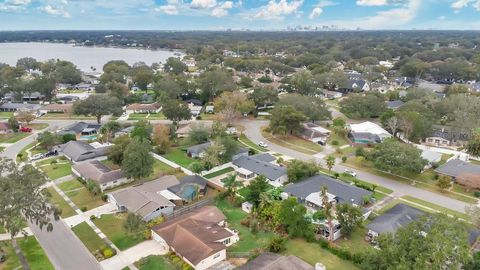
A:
[115,181]
[216,256]
[226,241]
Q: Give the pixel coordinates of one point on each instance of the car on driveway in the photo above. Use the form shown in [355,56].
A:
[262,144]
[37,157]
[25,129]
[350,172]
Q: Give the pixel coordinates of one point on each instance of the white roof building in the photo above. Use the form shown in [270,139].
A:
[372,128]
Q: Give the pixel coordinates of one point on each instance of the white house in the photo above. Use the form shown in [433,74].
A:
[98,172]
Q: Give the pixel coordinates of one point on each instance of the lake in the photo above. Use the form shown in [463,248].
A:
[83,57]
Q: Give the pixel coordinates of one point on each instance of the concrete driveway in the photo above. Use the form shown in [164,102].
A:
[133,254]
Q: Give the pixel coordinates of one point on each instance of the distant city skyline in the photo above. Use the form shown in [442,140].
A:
[238,14]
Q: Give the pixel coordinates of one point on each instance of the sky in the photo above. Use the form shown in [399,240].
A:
[237,14]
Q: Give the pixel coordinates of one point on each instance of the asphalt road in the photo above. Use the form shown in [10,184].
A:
[64,249]
[252,131]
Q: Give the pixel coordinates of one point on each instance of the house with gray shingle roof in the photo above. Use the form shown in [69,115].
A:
[79,150]
[248,168]
[457,167]
[105,177]
[389,222]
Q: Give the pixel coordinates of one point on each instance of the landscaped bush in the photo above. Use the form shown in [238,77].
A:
[277,244]
[108,252]
[335,142]
[104,197]
[476,194]
[93,217]
[360,152]
[83,208]
[344,159]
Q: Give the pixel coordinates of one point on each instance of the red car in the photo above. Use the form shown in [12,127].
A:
[25,129]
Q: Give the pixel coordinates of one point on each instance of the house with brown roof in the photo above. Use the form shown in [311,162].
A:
[143,108]
[5,128]
[57,108]
[148,200]
[98,172]
[200,237]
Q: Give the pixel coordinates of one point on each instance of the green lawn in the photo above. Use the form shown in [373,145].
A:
[67,116]
[293,142]
[12,261]
[218,173]
[34,254]
[251,144]
[6,114]
[160,169]
[342,140]
[155,262]
[57,200]
[112,227]
[80,196]
[313,253]
[35,150]
[248,241]
[13,137]
[152,116]
[179,156]
[2,148]
[355,243]
[55,171]
[89,238]
[433,206]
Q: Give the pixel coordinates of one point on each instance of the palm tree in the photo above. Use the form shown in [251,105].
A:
[330,163]
[328,211]
[232,185]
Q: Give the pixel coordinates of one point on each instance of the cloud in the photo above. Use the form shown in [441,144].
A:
[222,9]
[56,11]
[203,4]
[315,13]
[459,4]
[326,3]
[14,5]
[276,10]
[372,2]
[171,7]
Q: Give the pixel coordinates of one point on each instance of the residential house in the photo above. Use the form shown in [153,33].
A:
[456,167]
[20,107]
[5,128]
[200,237]
[445,136]
[400,216]
[96,171]
[394,218]
[314,133]
[273,261]
[308,192]
[68,99]
[382,87]
[184,130]
[431,156]
[394,104]
[249,167]
[197,151]
[80,129]
[124,131]
[367,133]
[332,94]
[351,85]
[57,108]
[79,150]
[149,199]
[84,87]
[144,108]
[34,96]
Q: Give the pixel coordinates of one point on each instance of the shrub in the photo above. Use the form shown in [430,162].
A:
[104,197]
[344,159]
[336,175]
[83,208]
[79,179]
[277,244]
[434,165]
[359,152]
[476,194]
[199,117]
[108,252]
[335,142]
[93,217]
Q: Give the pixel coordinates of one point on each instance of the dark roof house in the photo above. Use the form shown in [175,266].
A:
[343,192]
[398,216]
[189,187]
[97,171]
[79,150]
[81,128]
[456,167]
[269,170]
[394,104]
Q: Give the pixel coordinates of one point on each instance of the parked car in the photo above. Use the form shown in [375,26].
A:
[25,129]
[350,172]
[262,144]
[51,153]
[37,157]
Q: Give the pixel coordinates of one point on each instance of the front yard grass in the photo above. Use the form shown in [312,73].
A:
[80,196]
[155,262]
[60,203]
[243,139]
[13,137]
[55,171]
[313,253]
[432,206]
[12,261]
[248,241]
[34,254]
[38,126]
[112,227]
[293,142]
[218,173]
[355,243]
[6,114]
[179,156]
[152,116]
[160,169]
[89,238]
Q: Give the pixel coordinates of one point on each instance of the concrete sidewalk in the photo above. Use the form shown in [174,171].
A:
[133,254]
